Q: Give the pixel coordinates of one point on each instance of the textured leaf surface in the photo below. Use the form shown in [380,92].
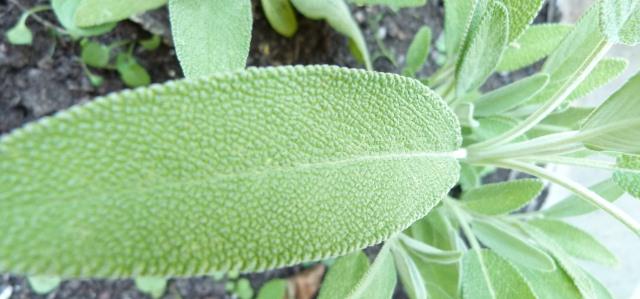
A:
[521,14]
[510,96]
[442,280]
[511,246]
[535,43]
[576,242]
[620,20]
[250,170]
[338,15]
[418,51]
[485,48]
[409,274]
[555,284]
[605,71]
[505,279]
[281,16]
[456,23]
[574,205]
[493,126]
[98,12]
[616,121]
[211,36]
[351,277]
[502,198]
[628,180]
[66,11]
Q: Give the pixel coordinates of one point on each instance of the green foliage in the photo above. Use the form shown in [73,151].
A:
[211,36]
[615,125]
[510,96]
[485,48]
[154,286]
[554,284]
[243,289]
[498,279]
[502,198]
[521,14]
[97,12]
[575,241]
[281,16]
[352,277]
[409,274]
[576,206]
[392,3]
[43,284]
[604,72]
[456,21]
[131,72]
[338,15]
[628,177]
[379,173]
[273,289]
[151,43]
[418,51]
[95,54]
[620,20]
[535,43]
[20,34]
[66,11]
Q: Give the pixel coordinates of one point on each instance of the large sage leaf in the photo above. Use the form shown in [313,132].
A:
[338,15]
[211,36]
[535,43]
[502,198]
[249,170]
[351,277]
[505,280]
[574,205]
[98,12]
[620,20]
[615,125]
[628,179]
[66,11]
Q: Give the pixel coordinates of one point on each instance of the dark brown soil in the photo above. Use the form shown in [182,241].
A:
[46,77]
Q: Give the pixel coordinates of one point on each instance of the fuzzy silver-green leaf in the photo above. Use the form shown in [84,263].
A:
[247,170]
[629,178]
[98,12]
[534,43]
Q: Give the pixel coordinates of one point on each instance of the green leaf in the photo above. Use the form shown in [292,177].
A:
[442,280]
[502,198]
[620,21]
[43,284]
[351,277]
[490,127]
[429,252]
[131,73]
[20,34]
[615,125]
[66,10]
[154,286]
[98,12]
[510,245]
[574,205]
[535,43]
[243,289]
[605,71]
[504,279]
[521,14]
[242,171]
[95,54]
[469,177]
[273,289]
[628,180]
[338,15]
[281,16]
[485,48]
[554,284]
[211,36]
[576,242]
[456,22]
[409,274]
[418,51]
[151,43]
[395,4]
[510,96]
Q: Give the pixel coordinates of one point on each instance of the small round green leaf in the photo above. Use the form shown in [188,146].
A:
[95,54]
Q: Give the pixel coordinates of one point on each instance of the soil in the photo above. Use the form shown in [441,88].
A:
[38,80]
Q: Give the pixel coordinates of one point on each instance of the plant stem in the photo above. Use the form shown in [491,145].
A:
[558,98]
[576,188]
[558,143]
[36,9]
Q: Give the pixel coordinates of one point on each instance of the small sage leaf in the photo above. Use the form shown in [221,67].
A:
[273,289]
[65,11]
[503,279]
[605,71]
[154,286]
[456,21]
[480,57]
[20,34]
[628,177]
[418,51]
[620,21]
[281,16]
[490,127]
[574,205]
[554,284]
[211,36]
[98,12]
[338,15]
[576,242]
[95,54]
[615,125]
[352,277]
[502,198]
[43,284]
[131,72]
[521,14]
[151,43]
[507,243]
[242,171]
[409,274]
[510,96]
[535,43]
